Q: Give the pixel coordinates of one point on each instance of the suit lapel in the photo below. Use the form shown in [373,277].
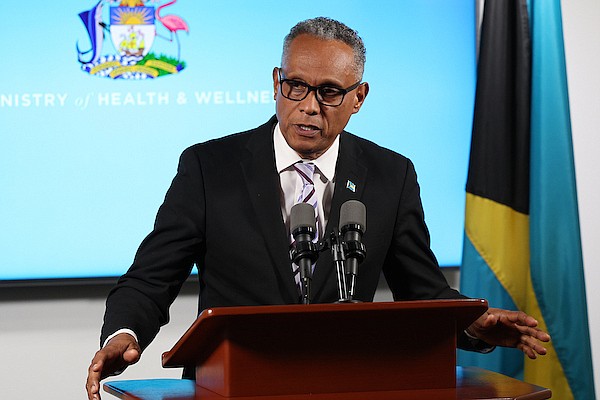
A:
[350,181]
[263,185]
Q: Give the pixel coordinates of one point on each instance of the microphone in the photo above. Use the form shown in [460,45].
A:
[353,224]
[305,253]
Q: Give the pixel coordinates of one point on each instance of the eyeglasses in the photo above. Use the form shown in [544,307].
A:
[326,95]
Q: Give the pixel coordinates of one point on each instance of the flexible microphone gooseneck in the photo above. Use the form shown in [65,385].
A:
[304,253]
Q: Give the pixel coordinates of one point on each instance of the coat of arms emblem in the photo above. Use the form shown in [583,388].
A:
[132,28]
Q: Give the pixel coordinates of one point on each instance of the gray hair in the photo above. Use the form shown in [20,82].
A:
[329,29]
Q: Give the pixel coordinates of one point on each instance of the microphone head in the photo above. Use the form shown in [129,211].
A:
[353,212]
[302,216]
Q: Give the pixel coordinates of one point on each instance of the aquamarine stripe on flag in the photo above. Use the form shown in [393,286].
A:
[555,243]
[506,360]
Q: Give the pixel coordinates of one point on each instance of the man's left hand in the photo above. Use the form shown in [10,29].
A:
[506,328]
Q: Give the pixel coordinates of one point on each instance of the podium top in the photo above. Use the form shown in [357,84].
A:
[472,383]
[216,324]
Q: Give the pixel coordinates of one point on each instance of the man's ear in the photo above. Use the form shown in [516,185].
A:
[359,98]
[275,82]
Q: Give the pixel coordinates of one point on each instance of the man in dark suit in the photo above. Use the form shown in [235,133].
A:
[227,211]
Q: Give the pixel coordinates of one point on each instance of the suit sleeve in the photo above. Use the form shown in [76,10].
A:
[140,301]
[410,268]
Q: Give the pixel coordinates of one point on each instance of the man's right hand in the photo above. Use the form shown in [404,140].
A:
[120,352]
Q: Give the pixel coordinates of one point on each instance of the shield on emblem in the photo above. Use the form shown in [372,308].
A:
[132,30]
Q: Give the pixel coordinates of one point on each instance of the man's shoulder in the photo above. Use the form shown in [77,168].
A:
[235,142]
[371,150]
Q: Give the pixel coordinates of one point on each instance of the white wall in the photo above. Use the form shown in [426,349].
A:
[48,336]
[582,46]
[46,344]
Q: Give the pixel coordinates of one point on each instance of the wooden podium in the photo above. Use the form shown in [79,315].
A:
[324,348]
[295,351]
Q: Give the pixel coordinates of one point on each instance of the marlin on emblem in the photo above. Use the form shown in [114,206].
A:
[92,19]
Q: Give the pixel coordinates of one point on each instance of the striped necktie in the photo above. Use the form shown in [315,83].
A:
[308,195]
[305,171]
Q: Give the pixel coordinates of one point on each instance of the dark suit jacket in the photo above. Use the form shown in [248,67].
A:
[222,213]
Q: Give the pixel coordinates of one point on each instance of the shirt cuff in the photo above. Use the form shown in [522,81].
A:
[122,330]
[478,345]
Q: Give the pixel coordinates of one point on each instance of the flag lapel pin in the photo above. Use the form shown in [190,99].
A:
[350,186]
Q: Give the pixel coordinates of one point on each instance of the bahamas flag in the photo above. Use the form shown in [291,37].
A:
[522,247]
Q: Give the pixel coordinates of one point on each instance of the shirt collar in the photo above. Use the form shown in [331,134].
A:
[285,156]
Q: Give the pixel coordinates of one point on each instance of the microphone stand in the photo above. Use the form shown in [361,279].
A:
[338,258]
[343,251]
[305,290]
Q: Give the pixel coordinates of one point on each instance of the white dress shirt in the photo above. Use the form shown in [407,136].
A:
[291,184]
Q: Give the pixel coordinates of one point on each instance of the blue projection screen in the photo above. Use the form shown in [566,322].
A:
[99,98]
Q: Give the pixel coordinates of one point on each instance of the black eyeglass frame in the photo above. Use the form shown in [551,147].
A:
[318,95]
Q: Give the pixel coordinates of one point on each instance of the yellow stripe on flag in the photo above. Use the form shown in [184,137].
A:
[501,236]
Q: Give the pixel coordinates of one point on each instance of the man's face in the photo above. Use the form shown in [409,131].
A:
[309,127]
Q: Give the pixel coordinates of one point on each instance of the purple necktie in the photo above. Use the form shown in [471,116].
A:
[308,195]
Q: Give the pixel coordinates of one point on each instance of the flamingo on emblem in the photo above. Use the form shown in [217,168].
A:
[173,23]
